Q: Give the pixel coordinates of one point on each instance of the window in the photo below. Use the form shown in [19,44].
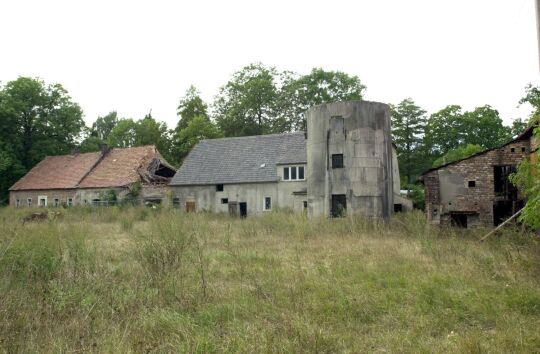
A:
[294,173]
[219,187]
[267,203]
[224,200]
[337,161]
[17,203]
[70,202]
[523,149]
[502,185]
[472,184]
[512,150]
[56,202]
[42,201]
[176,202]
[305,204]
[29,202]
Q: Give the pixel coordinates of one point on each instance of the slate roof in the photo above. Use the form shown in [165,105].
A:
[116,168]
[240,160]
[58,172]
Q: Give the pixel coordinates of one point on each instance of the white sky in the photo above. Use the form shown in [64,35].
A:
[133,56]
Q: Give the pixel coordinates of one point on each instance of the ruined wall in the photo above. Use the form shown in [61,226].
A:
[359,130]
[447,188]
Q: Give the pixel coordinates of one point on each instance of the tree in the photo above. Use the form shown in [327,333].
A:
[37,119]
[190,106]
[450,128]
[199,128]
[317,87]
[460,153]
[532,97]
[247,104]
[103,126]
[518,126]
[444,130]
[123,134]
[408,124]
[484,127]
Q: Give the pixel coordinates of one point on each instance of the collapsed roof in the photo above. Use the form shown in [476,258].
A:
[117,167]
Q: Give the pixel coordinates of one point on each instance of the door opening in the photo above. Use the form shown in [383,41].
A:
[190,206]
[339,205]
[459,220]
[243,209]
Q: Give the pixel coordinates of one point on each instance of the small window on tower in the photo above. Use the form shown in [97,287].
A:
[523,149]
[337,161]
[472,184]
[512,150]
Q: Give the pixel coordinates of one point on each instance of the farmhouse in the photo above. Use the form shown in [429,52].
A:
[476,191]
[95,178]
[344,164]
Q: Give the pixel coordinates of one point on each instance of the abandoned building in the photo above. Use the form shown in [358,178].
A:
[345,164]
[95,178]
[476,191]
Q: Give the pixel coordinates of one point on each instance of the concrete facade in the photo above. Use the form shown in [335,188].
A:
[283,195]
[359,131]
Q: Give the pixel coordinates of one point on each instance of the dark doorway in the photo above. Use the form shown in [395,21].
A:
[398,208]
[502,210]
[243,210]
[339,205]
[502,184]
[458,220]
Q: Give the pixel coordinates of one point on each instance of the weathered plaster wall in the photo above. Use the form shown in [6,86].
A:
[447,188]
[61,194]
[207,198]
[360,131]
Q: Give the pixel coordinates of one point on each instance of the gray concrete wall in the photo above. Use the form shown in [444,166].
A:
[359,130]
[208,199]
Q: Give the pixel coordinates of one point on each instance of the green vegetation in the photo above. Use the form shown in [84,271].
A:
[143,280]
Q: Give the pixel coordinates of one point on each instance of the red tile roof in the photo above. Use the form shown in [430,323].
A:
[116,168]
[119,167]
[58,172]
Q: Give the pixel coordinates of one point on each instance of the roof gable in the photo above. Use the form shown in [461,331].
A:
[247,159]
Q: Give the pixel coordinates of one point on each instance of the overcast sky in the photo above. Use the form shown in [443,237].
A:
[133,56]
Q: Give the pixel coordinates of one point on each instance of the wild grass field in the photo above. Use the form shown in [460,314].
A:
[141,280]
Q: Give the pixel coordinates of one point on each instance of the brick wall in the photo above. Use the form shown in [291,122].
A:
[478,200]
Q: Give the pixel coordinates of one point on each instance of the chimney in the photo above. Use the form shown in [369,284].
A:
[76,150]
[104,149]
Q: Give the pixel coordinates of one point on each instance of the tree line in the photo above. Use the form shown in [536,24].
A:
[39,119]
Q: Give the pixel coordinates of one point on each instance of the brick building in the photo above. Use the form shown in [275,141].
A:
[92,178]
[476,191]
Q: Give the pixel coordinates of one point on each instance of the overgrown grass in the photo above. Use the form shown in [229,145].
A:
[140,280]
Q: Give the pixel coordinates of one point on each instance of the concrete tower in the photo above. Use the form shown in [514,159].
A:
[349,159]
